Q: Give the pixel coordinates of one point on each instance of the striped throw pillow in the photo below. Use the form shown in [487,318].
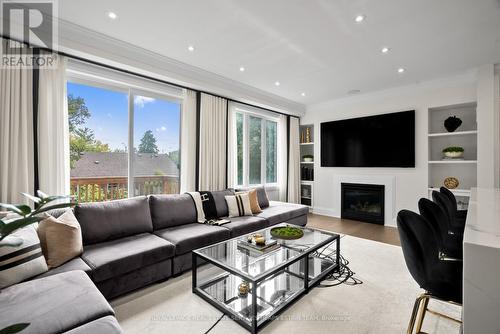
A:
[20,263]
[239,205]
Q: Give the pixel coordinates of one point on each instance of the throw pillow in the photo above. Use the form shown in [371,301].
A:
[61,238]
[254,201]
[22,262]
[262,196]
[239,205]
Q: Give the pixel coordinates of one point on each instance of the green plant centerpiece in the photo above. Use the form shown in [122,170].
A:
[307,158]
[453,152]
[287,232]
[25,216]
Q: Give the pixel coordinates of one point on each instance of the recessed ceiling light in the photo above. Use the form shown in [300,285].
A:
[191,48]
[277,83]
[359,18]
[353,91]
[385,49]
[401,70]
[242,69]
[303,94]
[112,15]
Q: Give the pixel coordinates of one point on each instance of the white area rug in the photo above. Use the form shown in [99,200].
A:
[382,304]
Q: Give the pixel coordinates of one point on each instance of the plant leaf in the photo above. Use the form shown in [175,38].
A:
[52,207]
[11,207]
[25,209]
[31,197]
[16,328]
[7,229]
[41,194]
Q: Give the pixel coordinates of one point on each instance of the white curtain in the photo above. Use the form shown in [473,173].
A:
[16,132]
[188,142]
[231,146]
[53,130]
[213,117]
[282,156]
[294,162]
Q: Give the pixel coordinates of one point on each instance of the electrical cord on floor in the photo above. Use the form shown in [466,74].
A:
[344,275]
[212,327]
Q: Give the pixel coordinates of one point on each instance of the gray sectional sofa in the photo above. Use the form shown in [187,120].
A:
[131,243]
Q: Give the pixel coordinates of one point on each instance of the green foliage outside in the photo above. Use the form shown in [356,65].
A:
[148,143]
[81,138]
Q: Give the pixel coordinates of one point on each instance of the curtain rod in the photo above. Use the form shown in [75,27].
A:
[62,53]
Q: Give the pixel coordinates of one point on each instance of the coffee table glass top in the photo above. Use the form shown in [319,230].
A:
[251,264]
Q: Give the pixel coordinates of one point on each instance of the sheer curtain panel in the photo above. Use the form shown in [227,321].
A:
[212,141]
[53,130]
[294,162]
[188,142]
[16,132]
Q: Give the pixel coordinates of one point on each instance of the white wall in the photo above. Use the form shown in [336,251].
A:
[410,183]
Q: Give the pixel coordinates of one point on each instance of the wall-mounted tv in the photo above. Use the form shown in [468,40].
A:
[386,140]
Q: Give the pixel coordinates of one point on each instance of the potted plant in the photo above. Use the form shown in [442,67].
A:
[453,152]
[24,217]
[307,158]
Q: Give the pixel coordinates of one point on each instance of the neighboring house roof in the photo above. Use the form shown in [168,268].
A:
[115,164]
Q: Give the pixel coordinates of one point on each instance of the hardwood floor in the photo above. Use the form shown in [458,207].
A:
[388,235]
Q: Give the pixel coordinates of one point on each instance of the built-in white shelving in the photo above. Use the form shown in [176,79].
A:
[465,169]
[306,167]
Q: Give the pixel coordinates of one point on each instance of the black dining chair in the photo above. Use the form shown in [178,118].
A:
[440,278]
[456,226]
[450,244]
[460,215]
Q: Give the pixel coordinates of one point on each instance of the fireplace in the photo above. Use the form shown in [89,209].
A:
[363,202]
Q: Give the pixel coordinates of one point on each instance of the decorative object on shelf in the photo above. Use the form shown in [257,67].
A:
[451,182]
[453,152]
[452,123]
[308,158]
[243,289]
[305,192]
[287,232]
[302,137]
[308,135]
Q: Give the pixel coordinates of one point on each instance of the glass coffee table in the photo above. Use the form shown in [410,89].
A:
[272,281]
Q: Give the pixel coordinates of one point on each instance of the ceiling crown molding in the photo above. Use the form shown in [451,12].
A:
[83,42]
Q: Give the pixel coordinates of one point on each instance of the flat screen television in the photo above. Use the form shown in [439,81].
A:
[386,140]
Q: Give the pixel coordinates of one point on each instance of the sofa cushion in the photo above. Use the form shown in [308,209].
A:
[261,195]
[220,201]
[53,304]
[279,212]
[105,325]
[113,258]
[172,210]
[75,264]
[105,221]
[193,236]
[247,224]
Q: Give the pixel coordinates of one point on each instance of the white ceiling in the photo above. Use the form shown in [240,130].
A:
[311,46]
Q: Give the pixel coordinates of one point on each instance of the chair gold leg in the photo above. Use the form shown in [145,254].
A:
[414,313]
[423,310]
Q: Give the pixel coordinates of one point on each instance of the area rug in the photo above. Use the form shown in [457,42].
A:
[382,304]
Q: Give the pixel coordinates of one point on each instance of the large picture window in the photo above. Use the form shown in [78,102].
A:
[256,149]
[124,142]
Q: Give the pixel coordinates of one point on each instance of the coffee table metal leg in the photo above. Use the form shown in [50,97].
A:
[254,308]
[337,256]
[194,265]
[306,273]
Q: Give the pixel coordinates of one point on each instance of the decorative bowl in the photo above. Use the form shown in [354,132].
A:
[287,232]
[454,155]
[308,159]
[451,182]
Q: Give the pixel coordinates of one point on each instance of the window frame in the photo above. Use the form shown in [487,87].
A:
[109,80]
[264,117]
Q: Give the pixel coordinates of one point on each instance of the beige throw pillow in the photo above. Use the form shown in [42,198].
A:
[239,205]
[254,200]
[61,238]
